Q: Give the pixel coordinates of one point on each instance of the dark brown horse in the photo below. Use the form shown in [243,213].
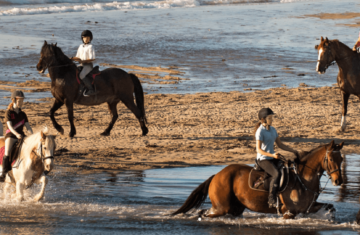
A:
[113,85]
[348,78]
[230,193]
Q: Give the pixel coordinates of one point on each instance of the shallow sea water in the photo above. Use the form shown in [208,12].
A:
[220,47]
[139,202]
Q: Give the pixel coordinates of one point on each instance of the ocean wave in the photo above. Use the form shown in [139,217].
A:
[54,6]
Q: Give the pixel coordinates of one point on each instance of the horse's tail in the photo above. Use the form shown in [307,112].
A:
[196,198]
[139,95]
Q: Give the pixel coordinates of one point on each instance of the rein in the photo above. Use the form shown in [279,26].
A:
[316,194]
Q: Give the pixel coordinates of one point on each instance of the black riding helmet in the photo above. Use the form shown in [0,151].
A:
[264,112]
[86,33]
[17,94]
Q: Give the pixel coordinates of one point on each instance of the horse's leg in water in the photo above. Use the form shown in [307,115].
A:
[114,117]
[57,104]
[345,99]
[70,110]
[317,206]
[20,189]
[6,189]
[358,217]
[42,180]
[136,111]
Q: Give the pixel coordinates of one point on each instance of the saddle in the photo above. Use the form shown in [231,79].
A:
[93,73]
[14,153]
[259,180]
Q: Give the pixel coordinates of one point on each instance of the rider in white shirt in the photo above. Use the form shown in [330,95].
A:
[86,55]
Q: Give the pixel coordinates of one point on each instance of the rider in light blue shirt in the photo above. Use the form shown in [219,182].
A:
[267,158]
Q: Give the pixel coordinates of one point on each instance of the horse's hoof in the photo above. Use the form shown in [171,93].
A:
[288,215]
[145,131]
[105,133]
[330,208]
[60,129]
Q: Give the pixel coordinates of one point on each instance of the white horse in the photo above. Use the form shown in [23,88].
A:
[36,157]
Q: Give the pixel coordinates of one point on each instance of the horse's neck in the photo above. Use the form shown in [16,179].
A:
[343,54]
[27,148]
[310,169]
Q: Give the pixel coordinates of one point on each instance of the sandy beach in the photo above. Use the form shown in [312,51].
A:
[213,128]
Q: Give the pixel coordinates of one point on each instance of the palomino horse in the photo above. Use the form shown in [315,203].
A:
[36,156]
[113,85]
[348,78]
[230,193]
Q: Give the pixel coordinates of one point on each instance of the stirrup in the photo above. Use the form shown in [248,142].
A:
[86,95]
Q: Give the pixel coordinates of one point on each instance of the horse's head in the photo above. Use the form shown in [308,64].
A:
[326,55]
[48,146]
[332,162]
[48,56]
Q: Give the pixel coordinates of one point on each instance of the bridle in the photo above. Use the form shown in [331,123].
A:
[326,163]
[328,50]
[40,153]
[316,194]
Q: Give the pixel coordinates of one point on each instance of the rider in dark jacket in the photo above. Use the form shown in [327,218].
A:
[266,135]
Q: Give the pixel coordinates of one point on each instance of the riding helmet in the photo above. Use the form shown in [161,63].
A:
[264,112]
[17,94]
[86,33]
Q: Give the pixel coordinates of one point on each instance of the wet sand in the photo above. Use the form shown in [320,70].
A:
[198,129]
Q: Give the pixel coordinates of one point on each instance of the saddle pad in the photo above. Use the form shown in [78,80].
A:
[2,152]
[257,180]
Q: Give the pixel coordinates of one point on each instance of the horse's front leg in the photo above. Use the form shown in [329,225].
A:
[57,104]
[6,189]
[20,190]
[70,110]
[42,180]
[317,206]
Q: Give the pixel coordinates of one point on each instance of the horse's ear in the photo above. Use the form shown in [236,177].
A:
[331,145]
[45,43]
[316,47]
[322,39]
[43,136]
[326,39]
[55,44]
[340,146]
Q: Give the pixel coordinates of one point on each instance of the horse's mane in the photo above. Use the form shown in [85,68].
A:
[336,41]
[305,155]
[53,50]
[30,142]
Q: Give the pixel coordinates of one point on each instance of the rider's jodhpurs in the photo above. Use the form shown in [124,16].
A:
[270,167]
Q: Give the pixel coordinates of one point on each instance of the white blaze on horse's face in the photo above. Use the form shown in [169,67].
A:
[318,62]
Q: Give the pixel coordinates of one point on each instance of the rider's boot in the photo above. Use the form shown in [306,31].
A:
[272,195]
[89,86]
[6,167]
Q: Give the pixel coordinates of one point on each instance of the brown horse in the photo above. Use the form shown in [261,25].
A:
[230,193]
[113,85]
[348,78]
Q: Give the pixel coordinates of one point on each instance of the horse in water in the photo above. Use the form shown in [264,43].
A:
[348,78]
[36,156]
[112,85]
[230,193]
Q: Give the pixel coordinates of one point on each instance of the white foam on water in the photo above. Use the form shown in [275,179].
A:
[28,7]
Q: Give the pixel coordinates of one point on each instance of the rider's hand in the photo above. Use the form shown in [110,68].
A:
[18,136]
[276,155]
